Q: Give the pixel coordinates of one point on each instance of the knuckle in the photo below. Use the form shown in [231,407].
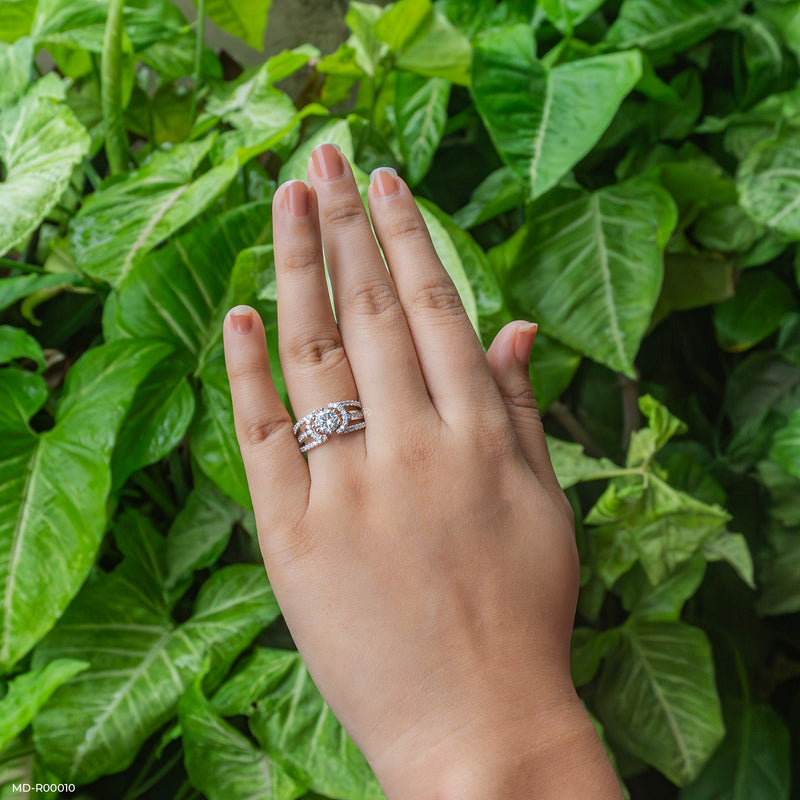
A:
[437,297]
[522,399]
[344,212]
[372,298]
[247,370]
[408,228]
[260,431]
[327,351]
[302,259]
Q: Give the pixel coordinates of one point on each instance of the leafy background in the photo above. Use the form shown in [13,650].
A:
[625,173]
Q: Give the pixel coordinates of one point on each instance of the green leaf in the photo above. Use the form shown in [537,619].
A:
[573,467]
[22,394]
[657,697]
[654,523]
[777,576]
[566,14]
[499,192]
[16,17]
[212,436]
[222,763]
[13,289]
[588,649]
[588,268]
[732,548]
[667,26]
[553,366]
[16,343]
[200,532]
[437,50]
[142,661]
[28,692]
[41,142]
[54,489]
[785,449]
[298,730]
[769,183]
[752,763]
[16,66]
[754,312]
[661,427]
[662,603]
[180,295]
[421,114]
[246,19]
[402,23]
[761,394]
[542,121]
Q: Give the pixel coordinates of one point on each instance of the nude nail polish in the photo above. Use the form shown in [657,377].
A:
[384,179]
[328,161]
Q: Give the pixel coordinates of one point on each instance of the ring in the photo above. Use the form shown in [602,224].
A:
[322,422]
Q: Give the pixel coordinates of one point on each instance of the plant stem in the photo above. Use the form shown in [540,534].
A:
[9,263]
[575,429]
[631,416]
[198,55]
[111,78]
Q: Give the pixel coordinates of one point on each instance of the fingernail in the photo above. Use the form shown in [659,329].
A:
[384,179]
[523,341]
[297,200]
[328,161]
[241,319]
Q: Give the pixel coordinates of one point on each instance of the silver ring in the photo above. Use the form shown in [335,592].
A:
[322,422]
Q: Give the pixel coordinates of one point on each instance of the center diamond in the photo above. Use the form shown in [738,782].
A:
[326,421]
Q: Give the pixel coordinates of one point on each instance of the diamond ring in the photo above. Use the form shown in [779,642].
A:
[333,418]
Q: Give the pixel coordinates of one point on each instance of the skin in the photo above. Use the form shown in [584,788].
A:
[426,566]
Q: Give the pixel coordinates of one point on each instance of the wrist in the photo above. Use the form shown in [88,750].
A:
[554,752]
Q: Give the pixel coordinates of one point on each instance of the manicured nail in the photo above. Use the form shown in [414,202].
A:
[384,179]
[297,200]
[328,161]
[523,341]
[241,319]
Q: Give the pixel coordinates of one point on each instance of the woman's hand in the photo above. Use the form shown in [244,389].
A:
[426,566]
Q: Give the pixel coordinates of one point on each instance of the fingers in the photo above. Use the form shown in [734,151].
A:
[276,470]
[371,320]
[508,359]
[450,354]
[315,366]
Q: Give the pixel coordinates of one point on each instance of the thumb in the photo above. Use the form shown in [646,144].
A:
[509,357]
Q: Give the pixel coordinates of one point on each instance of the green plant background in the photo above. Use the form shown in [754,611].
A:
[627,174]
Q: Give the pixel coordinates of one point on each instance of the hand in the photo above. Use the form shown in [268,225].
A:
[426,566]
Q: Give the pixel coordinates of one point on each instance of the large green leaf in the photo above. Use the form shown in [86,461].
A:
[296,727]
[657,697]
[246,19]
[542,121]
[769,183]
[141,659]
[129,215]
[41,142]
[669,25]
[786,446]
[588,268]
[566,14]
[753,762]
[421,113]
[222,763]
[16,65]
[28,692]
[180,295]
[53,492]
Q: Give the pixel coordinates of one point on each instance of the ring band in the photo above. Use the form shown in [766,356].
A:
[322,422]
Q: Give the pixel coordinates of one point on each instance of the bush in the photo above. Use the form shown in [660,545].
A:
[627,175]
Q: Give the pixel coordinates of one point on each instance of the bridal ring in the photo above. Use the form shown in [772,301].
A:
[333,418]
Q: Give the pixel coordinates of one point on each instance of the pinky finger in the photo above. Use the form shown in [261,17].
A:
[277,473]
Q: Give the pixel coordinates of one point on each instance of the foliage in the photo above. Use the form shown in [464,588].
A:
[626,174]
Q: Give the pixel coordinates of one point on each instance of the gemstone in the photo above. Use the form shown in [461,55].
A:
[326,421]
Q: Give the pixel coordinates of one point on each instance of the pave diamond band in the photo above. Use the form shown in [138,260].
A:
[322,422]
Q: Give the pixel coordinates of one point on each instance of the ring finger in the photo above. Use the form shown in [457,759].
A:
[314,363]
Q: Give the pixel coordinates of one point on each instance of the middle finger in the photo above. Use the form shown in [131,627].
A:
[371,319]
